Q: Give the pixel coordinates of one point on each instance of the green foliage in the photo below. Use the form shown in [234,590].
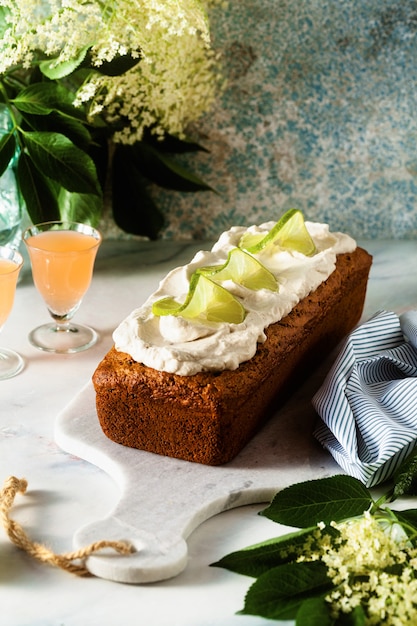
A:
[79,207]
[54,71]
[292,579]
[39,192]
[324,500]
[134,209]
[258,559]
[58,158]
[62,157]
[313,612]
[45,97]
[135,169]
[281,591]
[160,168]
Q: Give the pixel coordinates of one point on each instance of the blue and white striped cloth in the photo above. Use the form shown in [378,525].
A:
[368,402]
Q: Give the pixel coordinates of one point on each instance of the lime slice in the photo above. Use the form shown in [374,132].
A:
[289,232]
[243,269]
[205,299]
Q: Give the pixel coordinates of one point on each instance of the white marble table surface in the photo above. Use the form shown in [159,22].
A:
[65,492]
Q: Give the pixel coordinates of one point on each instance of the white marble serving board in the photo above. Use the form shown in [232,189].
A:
[162,500]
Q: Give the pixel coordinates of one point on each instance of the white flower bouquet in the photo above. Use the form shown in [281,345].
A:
[349,561]
[77,75]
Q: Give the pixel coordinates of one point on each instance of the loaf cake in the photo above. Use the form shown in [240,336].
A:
[154,393]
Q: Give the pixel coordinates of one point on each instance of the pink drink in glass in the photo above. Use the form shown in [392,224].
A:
[10,264]
[62,255]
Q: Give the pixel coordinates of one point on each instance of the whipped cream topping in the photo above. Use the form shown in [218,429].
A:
[182,346]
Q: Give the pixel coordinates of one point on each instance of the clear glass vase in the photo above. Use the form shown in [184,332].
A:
[11,202]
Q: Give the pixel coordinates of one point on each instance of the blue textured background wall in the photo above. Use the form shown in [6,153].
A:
[320,113]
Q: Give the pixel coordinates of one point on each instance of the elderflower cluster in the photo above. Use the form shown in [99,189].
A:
[173,85]
[175,81]
[372,564]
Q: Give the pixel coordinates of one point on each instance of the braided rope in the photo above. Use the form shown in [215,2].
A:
[42,553]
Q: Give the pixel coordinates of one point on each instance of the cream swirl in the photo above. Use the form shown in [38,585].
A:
[183,346]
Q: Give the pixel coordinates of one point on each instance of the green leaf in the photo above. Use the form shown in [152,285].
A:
[39,193]
[54,71]
[408,520]
[57,157]
[259,558]
[164,171]
[7,150]
[407,515]
[42,98]
[58,122]
[279,593]
[80,207]
[323,500]
[314,612]
[99,152]
[133,207]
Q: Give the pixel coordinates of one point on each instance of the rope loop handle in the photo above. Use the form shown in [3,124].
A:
[18,537]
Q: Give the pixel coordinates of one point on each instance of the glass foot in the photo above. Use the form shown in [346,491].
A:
[11,363]
[63,339]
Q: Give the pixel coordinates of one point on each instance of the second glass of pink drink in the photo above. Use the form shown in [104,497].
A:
[10,265]
[62,255]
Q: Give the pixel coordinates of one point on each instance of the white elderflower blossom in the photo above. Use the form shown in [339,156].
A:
[173,83]
[173,87]
[369,565]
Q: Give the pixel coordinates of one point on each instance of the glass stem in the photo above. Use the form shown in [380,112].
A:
[62,321]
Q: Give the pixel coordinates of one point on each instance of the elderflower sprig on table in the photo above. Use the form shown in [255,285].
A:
[353,561]
[75,74]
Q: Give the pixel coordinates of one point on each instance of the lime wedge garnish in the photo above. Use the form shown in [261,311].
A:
[289,232]
[205,299]
[242,268]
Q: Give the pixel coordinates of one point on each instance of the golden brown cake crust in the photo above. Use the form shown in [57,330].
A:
[210,416]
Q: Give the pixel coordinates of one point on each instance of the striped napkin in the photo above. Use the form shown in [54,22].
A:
[368,402]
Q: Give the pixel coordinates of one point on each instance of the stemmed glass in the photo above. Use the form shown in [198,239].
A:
[10,264]
[62,255]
